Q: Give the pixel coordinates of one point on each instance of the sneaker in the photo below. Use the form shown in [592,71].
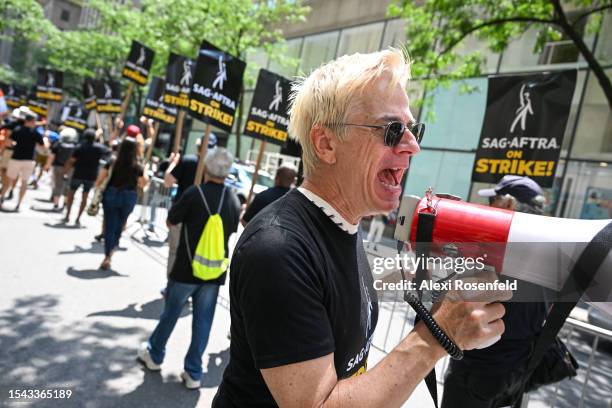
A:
[145,357]
[190,382]
[99,238]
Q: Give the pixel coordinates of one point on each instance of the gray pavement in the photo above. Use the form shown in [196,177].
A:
[64,324]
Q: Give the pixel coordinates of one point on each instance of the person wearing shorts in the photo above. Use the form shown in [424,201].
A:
[61,152]
[86,162]
[24,138]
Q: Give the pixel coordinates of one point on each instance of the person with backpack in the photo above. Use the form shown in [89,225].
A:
[209,214]
[61,151]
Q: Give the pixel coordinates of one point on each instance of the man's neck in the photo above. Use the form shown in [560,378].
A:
[333,195]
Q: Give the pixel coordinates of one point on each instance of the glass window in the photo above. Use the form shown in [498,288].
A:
[414,89]
[446,172]
[395,34]
[520,55]
[65,15]
[594,131]
[457,116]
[255,60]
[286,59]
[363,39]
[472,44]
[604,42]
[318,49]
[587,191]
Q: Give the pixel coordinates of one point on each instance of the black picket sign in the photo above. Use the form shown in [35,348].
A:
[268,117]
[524,126]
[138,64]
[179,77]
[154,103]
[49,85]
[216,87]
[89,94]
[15,95]
[75,116]
[108,96]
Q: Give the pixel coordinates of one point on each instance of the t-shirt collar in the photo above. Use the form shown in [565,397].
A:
[330,211]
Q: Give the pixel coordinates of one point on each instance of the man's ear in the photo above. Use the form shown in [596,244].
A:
[324,144]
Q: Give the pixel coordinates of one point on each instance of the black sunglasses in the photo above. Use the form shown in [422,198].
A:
[394,131]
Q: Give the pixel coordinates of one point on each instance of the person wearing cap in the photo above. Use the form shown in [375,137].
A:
[516,193]
[86,163]
[23,138]
[181,171]
[61,151]
[493,377]
[283,180]
[191,211]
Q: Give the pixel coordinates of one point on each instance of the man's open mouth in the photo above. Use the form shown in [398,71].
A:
[391,177]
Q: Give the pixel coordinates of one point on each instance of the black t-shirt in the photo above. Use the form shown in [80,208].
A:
[88,156]
[300,288]
[185,173]
[62,152]
[126,180]
[26,140]
[191,211]
[264,199]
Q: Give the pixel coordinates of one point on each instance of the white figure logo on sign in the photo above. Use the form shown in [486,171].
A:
[278,97]
[221,74]
[108,92]
[186,78]
[523,110]
[141,57]
[50,80]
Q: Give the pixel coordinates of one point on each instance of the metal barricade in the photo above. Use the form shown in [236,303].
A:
[592,387]
[156,202]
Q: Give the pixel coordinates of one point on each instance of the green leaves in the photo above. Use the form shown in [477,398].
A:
[437,29]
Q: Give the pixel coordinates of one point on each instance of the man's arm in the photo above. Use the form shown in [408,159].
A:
[169,178]
[390,383]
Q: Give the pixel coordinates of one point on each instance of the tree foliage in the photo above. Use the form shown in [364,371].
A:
[436,30]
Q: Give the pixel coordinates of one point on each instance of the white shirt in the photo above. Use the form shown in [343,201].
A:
[330,211]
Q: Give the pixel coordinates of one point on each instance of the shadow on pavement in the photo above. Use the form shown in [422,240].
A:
[62,225]
[214,370]
[96,248]
[150,310]
[92,273]
[95,360]
[151,242]
[46,210]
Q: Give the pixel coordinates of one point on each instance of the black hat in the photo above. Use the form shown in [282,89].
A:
[523,189]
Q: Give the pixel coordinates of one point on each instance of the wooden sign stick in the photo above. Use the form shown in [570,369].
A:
[203,150]
[262,147]
[178,135]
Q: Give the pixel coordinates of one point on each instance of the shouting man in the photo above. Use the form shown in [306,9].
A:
[303,306]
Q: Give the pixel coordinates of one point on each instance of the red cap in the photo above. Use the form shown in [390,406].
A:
[132,130]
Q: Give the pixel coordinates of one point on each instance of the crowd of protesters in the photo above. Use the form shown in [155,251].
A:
[303,340]
[116,170]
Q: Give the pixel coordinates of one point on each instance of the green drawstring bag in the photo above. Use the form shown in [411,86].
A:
[209,261]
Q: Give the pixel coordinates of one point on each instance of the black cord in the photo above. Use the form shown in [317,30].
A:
[428,320]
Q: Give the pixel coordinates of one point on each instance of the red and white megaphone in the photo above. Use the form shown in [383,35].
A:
[533,248]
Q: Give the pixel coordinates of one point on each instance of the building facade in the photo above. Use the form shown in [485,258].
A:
[583,180]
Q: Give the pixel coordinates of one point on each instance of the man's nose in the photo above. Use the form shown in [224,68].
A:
[408,144]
